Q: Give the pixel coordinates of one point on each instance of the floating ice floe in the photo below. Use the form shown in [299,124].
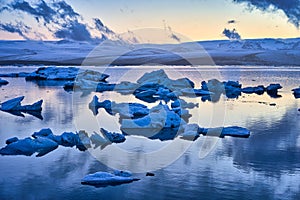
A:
[232,89]
[257,90]
[272,90]
[28,146]
[98,140]
[161,123]
[183,104]
[3,82]
[113,137]
[103,179]
[44,141]
[296,92]
[90,80]
[157,85]
[125,110]
[233,131]
[67,139]
[193,131]
[13,106]
[53,73]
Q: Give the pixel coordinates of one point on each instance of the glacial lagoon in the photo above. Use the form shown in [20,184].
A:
[264,166]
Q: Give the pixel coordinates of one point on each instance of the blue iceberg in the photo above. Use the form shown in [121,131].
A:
[103,179]
[29,146]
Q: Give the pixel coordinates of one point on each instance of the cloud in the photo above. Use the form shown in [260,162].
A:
[232,21]
[175,37]
[172,35]
[58,17]
[20,28]
[74,31]
[40,11]
[100,26]
[291,8]
[231,34]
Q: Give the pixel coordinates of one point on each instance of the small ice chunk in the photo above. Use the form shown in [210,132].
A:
[190,132]
[105,179]
[234,131]
[3,82]
[113,137]
[296,92]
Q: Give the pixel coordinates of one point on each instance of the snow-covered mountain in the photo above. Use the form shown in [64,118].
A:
[285,52]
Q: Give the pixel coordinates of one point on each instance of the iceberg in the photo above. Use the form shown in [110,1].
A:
[195,92]
[66,139]
[272,90]
[3,82]
[232,89]
[161,123]
[103,179]
[11,140]
[190,132]
[183,104]
[29,146]
[257,90]
[125,110]
[233,131]
[296,92]
[126,87]
[98,140]
[156,85]
[14,107]
[53,73]
[113,137]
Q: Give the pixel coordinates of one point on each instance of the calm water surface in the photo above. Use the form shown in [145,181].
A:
[264,166]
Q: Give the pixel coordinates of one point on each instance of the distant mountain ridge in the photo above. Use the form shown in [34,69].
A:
[269,52]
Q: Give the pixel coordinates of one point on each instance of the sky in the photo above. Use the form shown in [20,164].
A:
[194,19]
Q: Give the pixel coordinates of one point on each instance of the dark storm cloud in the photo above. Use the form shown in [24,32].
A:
[231,34]
[291,8]
[74,31]
[19,28]
[39,11]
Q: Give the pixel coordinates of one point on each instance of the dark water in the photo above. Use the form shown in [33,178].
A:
[264,166]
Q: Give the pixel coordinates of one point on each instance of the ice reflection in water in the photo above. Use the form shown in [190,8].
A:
[264,166]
